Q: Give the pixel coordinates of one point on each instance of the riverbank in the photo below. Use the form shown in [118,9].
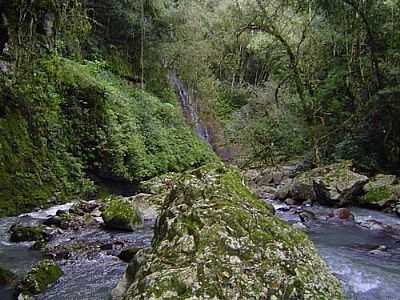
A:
[361,246]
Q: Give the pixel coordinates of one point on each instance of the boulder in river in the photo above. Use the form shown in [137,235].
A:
[343,214]
[21,233]
[214,239]
[121,214]
[6,276]
[382,192]
[333,185]
[42,275]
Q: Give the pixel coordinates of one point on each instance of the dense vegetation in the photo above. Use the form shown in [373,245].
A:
[286,78]
[64,119]
[85,89]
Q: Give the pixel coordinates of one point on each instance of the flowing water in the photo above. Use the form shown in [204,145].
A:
[189,108]
[346,247]
[90,275]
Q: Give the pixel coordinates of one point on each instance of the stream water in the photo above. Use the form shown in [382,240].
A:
[88,275]
[345,246]
[350,250]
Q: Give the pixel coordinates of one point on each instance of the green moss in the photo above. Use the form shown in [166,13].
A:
[215,240]
[71,117]
[41,277]
[121,214]
[6,277]
[376,195]
[24,234]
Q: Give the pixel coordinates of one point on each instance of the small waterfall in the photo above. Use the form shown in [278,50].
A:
[189,108]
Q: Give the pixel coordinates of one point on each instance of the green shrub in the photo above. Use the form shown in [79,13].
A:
[69,118]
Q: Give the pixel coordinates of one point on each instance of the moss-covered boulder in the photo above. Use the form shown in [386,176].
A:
[379,181]
[28,234]
[382,192]
[215,239]
[335,185]
[42,275]
[6,276]
[121,214]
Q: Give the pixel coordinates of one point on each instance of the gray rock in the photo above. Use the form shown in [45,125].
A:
[290,202]
[122,215]
[300,226]
[214,234]
[380,181]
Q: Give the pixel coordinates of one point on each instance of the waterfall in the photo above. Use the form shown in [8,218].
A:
[189,108]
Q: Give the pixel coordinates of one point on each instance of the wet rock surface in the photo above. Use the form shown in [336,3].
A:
[122,214]
[42,275]
[216,240]
[85,250]
[360,245]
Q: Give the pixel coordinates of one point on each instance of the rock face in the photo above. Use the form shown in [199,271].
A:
[334,185]
[264,181]
[216,240]
[121,214]
[40,277]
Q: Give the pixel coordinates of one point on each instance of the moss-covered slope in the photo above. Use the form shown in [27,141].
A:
[68,118]
[216,240]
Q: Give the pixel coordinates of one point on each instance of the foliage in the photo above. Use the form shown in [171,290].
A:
[71,118]
[331,65]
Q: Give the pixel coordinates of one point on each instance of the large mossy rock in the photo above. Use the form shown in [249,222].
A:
[382,192]
[42,275]
[21,233]
[216,240]
[334,185]
[122,214]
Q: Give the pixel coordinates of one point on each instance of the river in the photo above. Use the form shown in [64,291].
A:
[345,246]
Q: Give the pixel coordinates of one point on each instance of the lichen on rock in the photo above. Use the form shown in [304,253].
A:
[21,233]
[382,192]
[335,185]
[215,239]
[121,214]
[42,275]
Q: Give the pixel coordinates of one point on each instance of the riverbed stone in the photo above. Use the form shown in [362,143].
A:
[215,239]
[128,255]
[379,181]
[21,233]
[334,185]
[343,214]
[25,296]
[121,214]
[6,276]
[382,192]
[42,275]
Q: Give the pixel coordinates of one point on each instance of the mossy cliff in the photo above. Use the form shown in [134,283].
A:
[62,118]
[71,118]
[215,240]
